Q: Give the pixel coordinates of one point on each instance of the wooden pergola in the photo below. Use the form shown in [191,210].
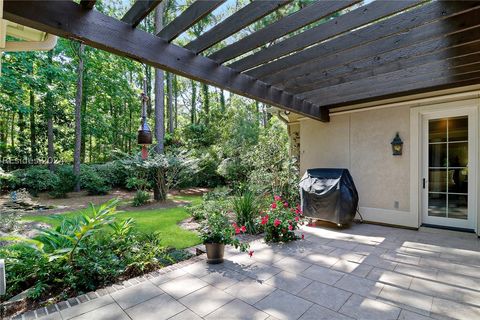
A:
[360,53]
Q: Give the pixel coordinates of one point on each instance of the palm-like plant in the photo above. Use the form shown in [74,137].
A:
[68,238]
[246,208]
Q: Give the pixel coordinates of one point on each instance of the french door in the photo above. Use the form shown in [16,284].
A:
[449,160]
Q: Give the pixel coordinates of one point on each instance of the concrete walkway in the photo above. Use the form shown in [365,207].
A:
[365,272]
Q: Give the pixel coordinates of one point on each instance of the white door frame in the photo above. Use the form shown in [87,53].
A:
[417,155]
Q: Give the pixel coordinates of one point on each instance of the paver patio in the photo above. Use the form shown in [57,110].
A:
[365,272]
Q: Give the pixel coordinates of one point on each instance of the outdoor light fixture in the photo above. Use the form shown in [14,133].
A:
[397,145]
[144,136]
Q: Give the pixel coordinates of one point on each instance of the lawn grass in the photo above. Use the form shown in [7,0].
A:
[164,221]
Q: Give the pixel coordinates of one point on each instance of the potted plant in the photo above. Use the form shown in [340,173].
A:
[216,232]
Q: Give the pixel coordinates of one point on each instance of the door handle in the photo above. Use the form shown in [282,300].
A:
[423,183]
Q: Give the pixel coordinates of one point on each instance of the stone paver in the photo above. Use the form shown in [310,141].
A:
[108,312]
[237,309]
[182,286]
[290,282]
[250,291]
[158,308]
[206,300]
[366,272]
[325,295]
[131,296]
[283,305]
[368,309]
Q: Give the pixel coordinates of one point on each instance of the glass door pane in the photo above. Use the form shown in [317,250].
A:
[448,167]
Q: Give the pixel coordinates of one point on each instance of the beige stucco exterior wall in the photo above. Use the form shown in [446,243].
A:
[358,138]
[361,142]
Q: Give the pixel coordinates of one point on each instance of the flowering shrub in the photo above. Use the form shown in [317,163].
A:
[280,221]
[217,229]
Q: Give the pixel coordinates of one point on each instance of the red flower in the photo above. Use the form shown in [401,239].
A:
[277,222]
[303,236]
[297,218]
[297,212]
[285,204]
[243,229]
[273,205]
[277,198]
[290,227]
[250,253]
[237,229]
[265,219]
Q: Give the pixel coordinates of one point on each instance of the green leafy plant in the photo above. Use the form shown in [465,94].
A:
[216,228]
[280,221]
[246,209]
[69,237]
[141,198]
[93,182]
[66,182]
[35,179]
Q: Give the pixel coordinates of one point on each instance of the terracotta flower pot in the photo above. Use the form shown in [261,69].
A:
[215,252]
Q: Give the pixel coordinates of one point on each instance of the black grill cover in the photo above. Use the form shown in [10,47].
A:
[329,194]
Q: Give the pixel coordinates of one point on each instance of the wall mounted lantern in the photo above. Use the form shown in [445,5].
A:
[397,145]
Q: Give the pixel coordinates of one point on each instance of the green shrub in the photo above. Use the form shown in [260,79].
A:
[66,182]
[91,181]
[246,209]
[202,210]
[141,198]
[35,179]
[113,172]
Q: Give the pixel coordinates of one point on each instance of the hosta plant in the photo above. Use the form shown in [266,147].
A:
[280,221]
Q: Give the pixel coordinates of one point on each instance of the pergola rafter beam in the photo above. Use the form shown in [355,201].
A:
[300,63]
[399,49]
[403,82]
[198,10]
[284,26]
[68,19]
[139,10]
[244,17]
[331,28]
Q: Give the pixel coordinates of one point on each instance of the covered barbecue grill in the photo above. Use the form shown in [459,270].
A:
[329,195]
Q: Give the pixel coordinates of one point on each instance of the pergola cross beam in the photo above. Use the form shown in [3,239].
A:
[68,19]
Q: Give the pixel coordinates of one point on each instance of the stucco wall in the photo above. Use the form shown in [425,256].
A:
[360,141]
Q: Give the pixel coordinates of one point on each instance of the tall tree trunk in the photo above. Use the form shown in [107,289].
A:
[159,189]
[194,101]
[175,90]
[21,135]
[49,110]
[206,102]
[12,132]
[78,118]
[170,102]
[83,112]
[33,130]
[222,101]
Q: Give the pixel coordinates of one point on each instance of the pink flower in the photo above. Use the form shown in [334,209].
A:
[277,198]
[297,218]
[303,236]
[297,212]
[285,204]
[237,229]
[273,205]
[290,227]
[250,253]
[265,219]
[243,229]
[277,222]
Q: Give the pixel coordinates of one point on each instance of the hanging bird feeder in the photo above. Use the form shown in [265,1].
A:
[144,136]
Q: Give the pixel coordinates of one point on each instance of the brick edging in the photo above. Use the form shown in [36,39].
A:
[71,302]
